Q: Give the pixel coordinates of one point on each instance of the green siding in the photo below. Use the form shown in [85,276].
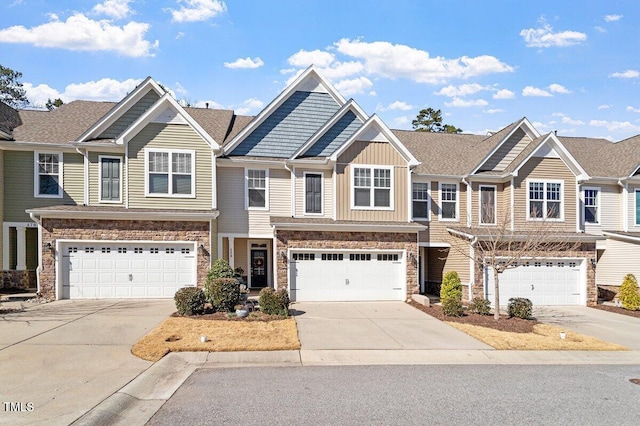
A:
[169,136]
[18,184]
[130,116]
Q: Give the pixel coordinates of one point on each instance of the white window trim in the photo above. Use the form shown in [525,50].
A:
[110,157]
[246,189]
[544,200]
[428,218]
[36,175]
[457,218]
[170,173]
[636,219]
[304,194]
[598,205]
[371,167]
[495,206]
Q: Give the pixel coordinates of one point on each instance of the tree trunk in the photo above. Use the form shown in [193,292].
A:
[496,294]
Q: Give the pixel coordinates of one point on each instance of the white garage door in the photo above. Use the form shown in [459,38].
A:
[126,269]
[346,276]
[544,282]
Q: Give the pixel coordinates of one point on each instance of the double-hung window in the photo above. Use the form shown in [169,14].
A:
[48,174]
[420,198]
[449,201]
[591,200]
[637,194]
[170,173]
[544,200]
[372,187]
[257,188]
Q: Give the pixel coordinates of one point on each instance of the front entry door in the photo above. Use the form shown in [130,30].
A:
[258,268]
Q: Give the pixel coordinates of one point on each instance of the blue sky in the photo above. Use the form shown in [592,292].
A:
[575,69]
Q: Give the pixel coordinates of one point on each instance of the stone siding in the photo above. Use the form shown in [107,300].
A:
[347,240]
[127,230]
[18,279]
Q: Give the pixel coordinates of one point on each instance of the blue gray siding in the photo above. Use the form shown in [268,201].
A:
[130,116]
[289,126]
[333,138]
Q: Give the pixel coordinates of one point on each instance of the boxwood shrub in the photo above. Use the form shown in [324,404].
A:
[189,301]
[274,302]
[520,307]
[480,306]
[222,293]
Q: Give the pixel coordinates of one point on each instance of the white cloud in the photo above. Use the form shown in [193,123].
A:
[504,94]
[565,119]
[106,89]
[245,63]
[462,90]
[117,9]
[630,108]
[81,33]
[402,121]
[396,106]
[197,10]
[612,18]
[626,74]
[388,60]
[353,86]
[179,35]
[557,88]
[180,90]
[534,91]
[249,106]
[304,58]
[543,36]
[615,126]
[604,106]
[465,103]
[493,111]
[599,29]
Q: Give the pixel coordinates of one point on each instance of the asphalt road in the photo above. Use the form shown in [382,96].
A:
[398,395]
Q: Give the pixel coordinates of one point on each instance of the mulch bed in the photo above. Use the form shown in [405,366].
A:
[618,310]
[513,325]
[224,316]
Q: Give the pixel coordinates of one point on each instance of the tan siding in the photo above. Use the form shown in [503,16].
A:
[546,168]
[619,259]
[225,249]
[508,151]
[440,261]
[438,229]
[327,192]
[73,182]
[240,254]
[279,203]
[233,216]
[169,136]
[94,177]
[610,215]
[18,186]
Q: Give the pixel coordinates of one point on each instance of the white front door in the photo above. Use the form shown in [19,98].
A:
[126,269]
[346,276]
[544,282]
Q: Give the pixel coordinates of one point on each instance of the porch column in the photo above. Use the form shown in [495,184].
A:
[21,248]
[231,247]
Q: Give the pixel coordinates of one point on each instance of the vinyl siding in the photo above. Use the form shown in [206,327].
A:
[240,253]
[279,203]
[438,228]
[19,179]
[371,153]
[619,259]
[440,261]
[130,116]
[610,214]
[94,177]
[327,193]
[552,169]
[508,151]
[169,136]
[233,219]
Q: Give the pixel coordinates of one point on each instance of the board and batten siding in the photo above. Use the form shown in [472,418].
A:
[327,193]
[610,213]
[132,114]
[19,180]
[169,136]
[545,169]
[443,260]
[374,154]
[619,259]
[94,177]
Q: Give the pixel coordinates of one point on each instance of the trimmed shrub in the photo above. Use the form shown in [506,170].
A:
[274,302]
[628,294]
[220,269]
[222,293]
[480,306]
[189,301]
[520,307]
[452,307]
[451,294]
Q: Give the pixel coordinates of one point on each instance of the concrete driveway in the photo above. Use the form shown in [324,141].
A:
[610,327]
[374,326]
[65,357]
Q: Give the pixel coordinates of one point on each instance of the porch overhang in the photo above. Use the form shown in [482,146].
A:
[119,213]
[486,234]
[309,224]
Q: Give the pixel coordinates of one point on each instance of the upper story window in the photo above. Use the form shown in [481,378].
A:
[637,191]
[420,200]
[591,205]
[544,200]
[170,173]
[110,179]
[257,189]
[48,174]
[449,209]
[372,188]
[488,205]
[313,193]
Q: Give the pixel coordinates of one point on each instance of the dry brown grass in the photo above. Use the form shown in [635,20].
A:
[180,334]
[544,337]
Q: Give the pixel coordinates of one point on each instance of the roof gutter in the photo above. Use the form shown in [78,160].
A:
[124,215]
[348,227]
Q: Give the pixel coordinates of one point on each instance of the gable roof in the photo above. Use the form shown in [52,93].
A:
[551,141]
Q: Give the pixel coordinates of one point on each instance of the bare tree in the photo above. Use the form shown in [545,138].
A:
[499,247]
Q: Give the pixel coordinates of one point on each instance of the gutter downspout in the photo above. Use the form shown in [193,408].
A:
[293,189]
[469,200]
[472,265]
[625,204]
[39,267]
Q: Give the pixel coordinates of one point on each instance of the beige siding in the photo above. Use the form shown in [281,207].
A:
[233,217]
[169,136]
[19,189]
[631,206]
[225,249]
[279,203]
[619,259]
[508,151]
[440,261]
[546,168]
[327,193]
[94,177]
[438,228]
[610,214]
[240,254]
[371,153]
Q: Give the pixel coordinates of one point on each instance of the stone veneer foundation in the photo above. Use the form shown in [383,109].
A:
[348,240]
[111,230]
